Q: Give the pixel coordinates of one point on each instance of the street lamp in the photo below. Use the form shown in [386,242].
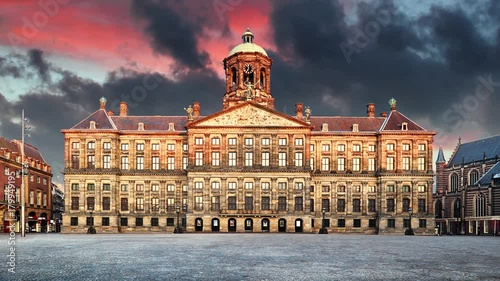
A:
[409,231]
[91,229]
[323,229]
[178,228]
[24,173]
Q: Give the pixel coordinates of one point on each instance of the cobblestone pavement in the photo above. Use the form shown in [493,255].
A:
[250,257]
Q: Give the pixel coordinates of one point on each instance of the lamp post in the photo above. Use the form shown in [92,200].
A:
[323,229]
[178,228]
[409,231]
[91,229]
[24,174]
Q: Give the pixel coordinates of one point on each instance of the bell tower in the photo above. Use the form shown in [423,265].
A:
[248,72]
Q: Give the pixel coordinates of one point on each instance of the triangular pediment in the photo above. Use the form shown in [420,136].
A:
[248,115]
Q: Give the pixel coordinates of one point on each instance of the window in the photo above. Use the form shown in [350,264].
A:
[341,164]
[405,188]
[123,221]
[421,163]
[215,141]
[406,204]
[215,158]
[390,188]
[356,205]
[341,147]
[198,141]
[154,222]
[215,185]
[372,189]
[356,188]
[106,203]
[265,159]
[299,159]
[91,145]
[75,186]
[371,205]
[311,205]
[473,177]
[231,185]
[282,159]
[231,141]
[406,223]
[265,185]
[232,159]
[231,203]
[75,145]
[139,204]
[311,147]
[184,189]
[74,221]
[391,223]
[248,141]
[140,163]
[390,163]
[75,162]
[198,185]
[406,163]
[390,147]
[282,141]
[422,223]
[32,197]
[325,204]
[124,187]
[299,185]
[311,163]
[105,221]
[356,223]
[91,187]
[341,205]
[325,164]
[325,147]
[215,203]
[124,146]
[124,162]
[371,164]
[341,223]
[265,142]
[356,164]
[282,203]
[299,142]
[249,185]
[140,147]
[248,159]
[390,205]
[184,163]
[39,198]
[106,161]
[171,187]
[155,162]
[421,205]
[106,187]
[282,185]
[155,146]
[421,147]
[421,188]
[170,163]
[155,204]
[170,204]
[356,148]
[454,182]
[265,206]
[372,223]
[170,222]
[91,161]
[75,203]
[124,204]
[371,148]
[248,203]
[155,187]
[325,188]
[406,146]
[299,205]
[199,158]
[139,222]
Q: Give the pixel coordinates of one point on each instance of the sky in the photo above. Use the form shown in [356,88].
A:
[438,59]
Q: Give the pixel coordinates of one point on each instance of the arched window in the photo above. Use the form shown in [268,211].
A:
[480,205]
[262,78]
[457,208]
[473,177]
[234,76]
[454,182]
[438,209]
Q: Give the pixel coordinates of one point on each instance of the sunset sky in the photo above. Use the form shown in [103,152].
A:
[439,59]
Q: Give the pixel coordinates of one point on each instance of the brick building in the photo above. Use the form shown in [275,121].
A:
[248,167]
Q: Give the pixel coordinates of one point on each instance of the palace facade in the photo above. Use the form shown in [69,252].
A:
[248,167]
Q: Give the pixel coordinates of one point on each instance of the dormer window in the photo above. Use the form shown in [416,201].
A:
[404,126]
[92,125]
[171,126]
[140,126]
[355,128]
[324,127]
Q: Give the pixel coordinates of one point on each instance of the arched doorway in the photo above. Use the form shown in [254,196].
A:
[248,225]
[438,209]
[43,222]
[265,225]
[7,223]
[298,225]
[215,225]
[231,225]
[32,220]
[282,225]
[198,226]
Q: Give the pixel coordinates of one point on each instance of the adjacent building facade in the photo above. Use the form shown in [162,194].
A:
[38,191]
[248,167]
[467,200]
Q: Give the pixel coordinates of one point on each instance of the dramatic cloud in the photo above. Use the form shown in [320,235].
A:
[37,60]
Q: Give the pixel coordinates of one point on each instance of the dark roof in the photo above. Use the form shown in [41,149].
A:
[477,151]
[440,158]
[15,146]
[342,123]
[493,172]
[101,118]
[151,123]
[394,121]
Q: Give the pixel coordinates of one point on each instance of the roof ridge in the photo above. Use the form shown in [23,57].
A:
[382,127]
[86,118]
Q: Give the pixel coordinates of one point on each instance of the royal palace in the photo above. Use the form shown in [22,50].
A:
[248,167]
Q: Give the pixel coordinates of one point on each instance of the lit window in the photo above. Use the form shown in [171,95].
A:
[185,147]
[249,185]
[198,141]
[341,164]
[311,163]
[421,147]
[356,148]
[124,162]
[171,146]
[215,185]
[421,188]
[341,147]
[406,163]
[231,141]
[371,148]
[91,145]
[124,187]
[406,146]
[282,159]
[184,163]
[124,146]
[106,161]
[155,146]
[91,161]
[75,145]
[215,158]
[265,185]
[106,145]
[140,163]
[299,185]
[311,147]
[265,159]
[390,147]
[356,164]
[198,185]
[372,189]
[171,163]
[170,188]
[215,141]
[155,187]
[298,159]
[140,147]
[155,163]
[248,141]
[282,185]
[139,187]
[299,142]
[248,159]
[325,164]
[282,141]
[371,164]
[199,158]
[325,147]
[390,163]
[265,142]
[231,185]
[421,163]
[232,159]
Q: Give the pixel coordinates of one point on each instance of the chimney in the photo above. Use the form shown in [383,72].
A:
[196,109]
[370,110]
[123,109]
[299,109]
[110,113]
[383,114]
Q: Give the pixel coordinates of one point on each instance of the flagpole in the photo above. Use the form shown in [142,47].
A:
[23,203]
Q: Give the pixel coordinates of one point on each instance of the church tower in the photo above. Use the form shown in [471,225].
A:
[248,72]
[441,181]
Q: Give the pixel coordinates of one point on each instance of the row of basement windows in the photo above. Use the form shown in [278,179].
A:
[391,223]
[248,142]
[125,187]
[124,221]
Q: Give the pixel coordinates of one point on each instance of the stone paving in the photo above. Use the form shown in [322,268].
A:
[250,257]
